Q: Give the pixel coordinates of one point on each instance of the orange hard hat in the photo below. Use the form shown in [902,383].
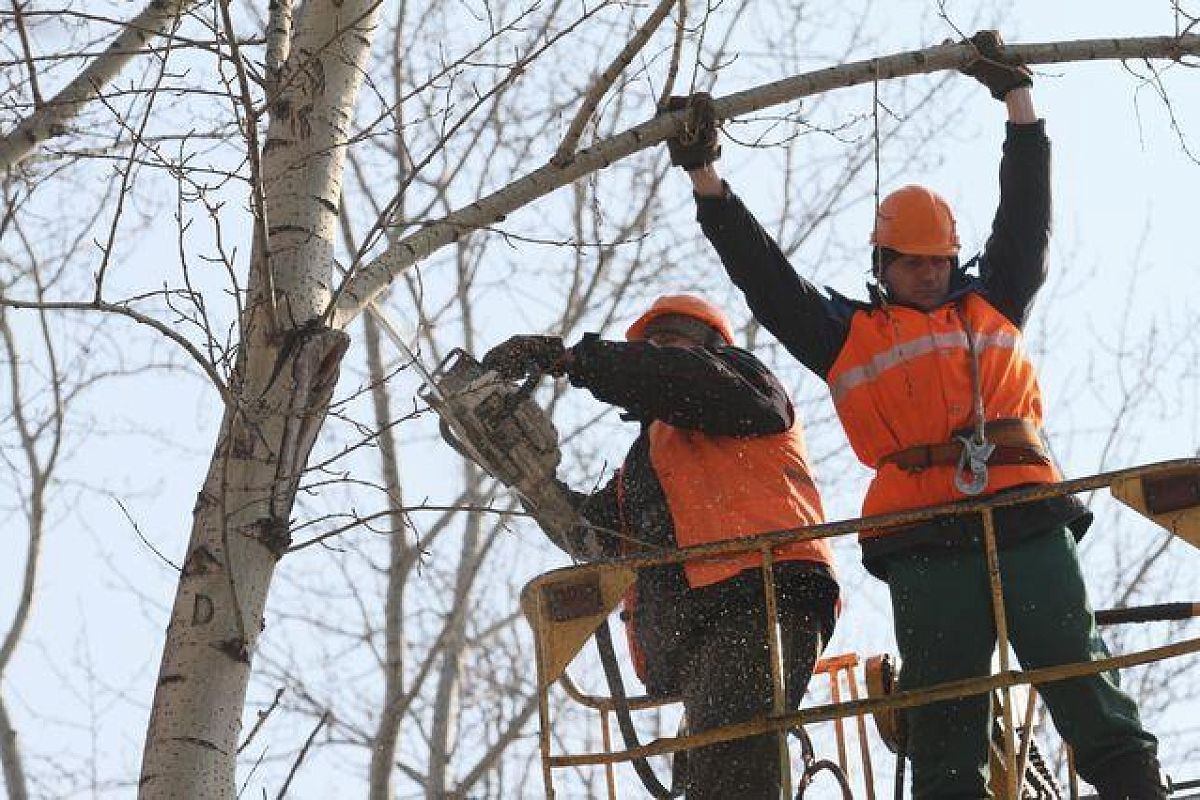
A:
[915,221]
[686,305]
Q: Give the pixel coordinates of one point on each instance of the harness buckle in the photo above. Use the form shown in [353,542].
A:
[971,475]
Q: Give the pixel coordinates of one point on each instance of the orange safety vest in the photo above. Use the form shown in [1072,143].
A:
[903,379]
[728,487]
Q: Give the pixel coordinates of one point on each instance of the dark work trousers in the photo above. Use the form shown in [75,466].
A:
[726,678]
[942,607]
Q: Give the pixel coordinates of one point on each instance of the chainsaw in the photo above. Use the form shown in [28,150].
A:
[498,425]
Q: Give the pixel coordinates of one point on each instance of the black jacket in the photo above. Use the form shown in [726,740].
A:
[814,326]
[722,391]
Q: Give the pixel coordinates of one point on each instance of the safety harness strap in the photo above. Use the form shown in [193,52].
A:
[1016,442]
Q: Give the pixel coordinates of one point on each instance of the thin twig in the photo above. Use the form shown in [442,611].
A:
[137,529]
[262,717]
[250,773]
[303,752]
[51,118]
[137,316]
[258,204]
[127,172]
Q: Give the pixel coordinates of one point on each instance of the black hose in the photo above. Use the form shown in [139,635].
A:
[616,688]
[1165,611]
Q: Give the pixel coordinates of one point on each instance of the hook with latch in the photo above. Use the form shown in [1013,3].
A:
[972,462]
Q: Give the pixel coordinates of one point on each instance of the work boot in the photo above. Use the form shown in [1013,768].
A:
[1137,776]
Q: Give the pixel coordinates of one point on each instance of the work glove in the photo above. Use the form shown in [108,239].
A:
[524,355]
[697,144]
[988,69]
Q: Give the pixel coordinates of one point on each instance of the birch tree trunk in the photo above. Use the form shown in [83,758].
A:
[400,562]
[445,703]
[286,373]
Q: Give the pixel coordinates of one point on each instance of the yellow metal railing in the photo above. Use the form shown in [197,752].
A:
[565,606]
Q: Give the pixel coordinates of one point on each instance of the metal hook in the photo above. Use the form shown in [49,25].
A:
[973,461]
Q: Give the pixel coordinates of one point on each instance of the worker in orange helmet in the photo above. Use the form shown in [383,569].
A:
[938,396]
[719,455]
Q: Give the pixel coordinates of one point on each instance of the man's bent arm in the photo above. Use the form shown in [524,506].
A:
[721,391]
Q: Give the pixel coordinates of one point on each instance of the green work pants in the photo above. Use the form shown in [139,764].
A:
[942,609]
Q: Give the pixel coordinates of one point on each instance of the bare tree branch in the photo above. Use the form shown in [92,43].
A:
[604,82]
[368,281]
[262,718]
[300,757]
[19,21]
[137,316]
[50,119]
[676,55]
[14,774]
[515,725]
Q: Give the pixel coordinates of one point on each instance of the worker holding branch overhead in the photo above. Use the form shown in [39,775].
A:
[719,455]
[938,396]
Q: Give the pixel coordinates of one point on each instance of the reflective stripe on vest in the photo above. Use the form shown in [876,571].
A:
[728,487]
[903,379]
[910,350]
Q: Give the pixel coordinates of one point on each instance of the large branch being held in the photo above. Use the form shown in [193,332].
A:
[366,283]
[50,119]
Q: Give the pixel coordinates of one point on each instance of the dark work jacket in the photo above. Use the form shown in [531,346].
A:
[723,391]
[814,326]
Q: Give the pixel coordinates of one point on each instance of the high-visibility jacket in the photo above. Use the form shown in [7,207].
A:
[727,487]
[903,379]
[731,416]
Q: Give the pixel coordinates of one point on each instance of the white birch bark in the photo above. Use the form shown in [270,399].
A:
[362,287]
[49,119]
[286,374]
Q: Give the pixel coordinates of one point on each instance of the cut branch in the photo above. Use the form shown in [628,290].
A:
[366,283]
[50,118]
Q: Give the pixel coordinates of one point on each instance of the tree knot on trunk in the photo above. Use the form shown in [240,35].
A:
[274,534]
[236,649]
